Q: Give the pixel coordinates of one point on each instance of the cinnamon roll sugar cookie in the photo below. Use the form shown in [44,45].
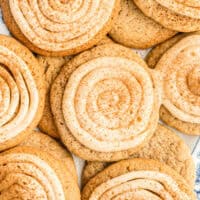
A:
[29,173]
[178,15]
[108,108]
[133,29]
[45,143]
[21,92]
[138,179]
[181,82]
[51,67]
[164,146]
[59,28]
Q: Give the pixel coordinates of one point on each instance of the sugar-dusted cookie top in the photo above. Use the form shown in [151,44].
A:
[164,146]
[178,15]
[45,143]
[59,28]
[21,92]
[177,59]
[138,179]
[30,173]
[51,67]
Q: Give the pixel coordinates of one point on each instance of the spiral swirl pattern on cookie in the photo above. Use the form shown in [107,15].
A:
[28,177]
[130,179]
[61,25]
[29,173]
[179,15]
[181,71]
[188,8]
[19,96]
[108,104]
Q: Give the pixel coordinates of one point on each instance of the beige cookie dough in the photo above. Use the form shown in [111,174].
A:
[176,15]
[45,143]
[22,92]
[30,173]
[133,29]
[165,146]
[138,179]
[59,28]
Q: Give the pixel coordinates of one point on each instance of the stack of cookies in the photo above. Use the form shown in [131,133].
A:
[70,82]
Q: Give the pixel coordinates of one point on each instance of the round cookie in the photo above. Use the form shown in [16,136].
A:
[51,67]
[108,57]
[59,28]
[164,146]
[172,14]
[45,143]
[29,173]
[22,92]
[133,29]
[138,179]
[152,59]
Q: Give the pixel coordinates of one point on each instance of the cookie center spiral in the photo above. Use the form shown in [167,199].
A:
[109,99]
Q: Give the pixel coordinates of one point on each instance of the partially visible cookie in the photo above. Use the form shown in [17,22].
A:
[133,29]
[45,143]
[51,67]
[95,110]
[152,59]
[30,173]
[105,40]
[91,169]
[165,146]
[22,92]
[178,15]
[138,179]
[184,127]
[59,28]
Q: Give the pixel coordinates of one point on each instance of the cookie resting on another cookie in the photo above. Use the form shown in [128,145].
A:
[133,29]
[94,110]
[54,28]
